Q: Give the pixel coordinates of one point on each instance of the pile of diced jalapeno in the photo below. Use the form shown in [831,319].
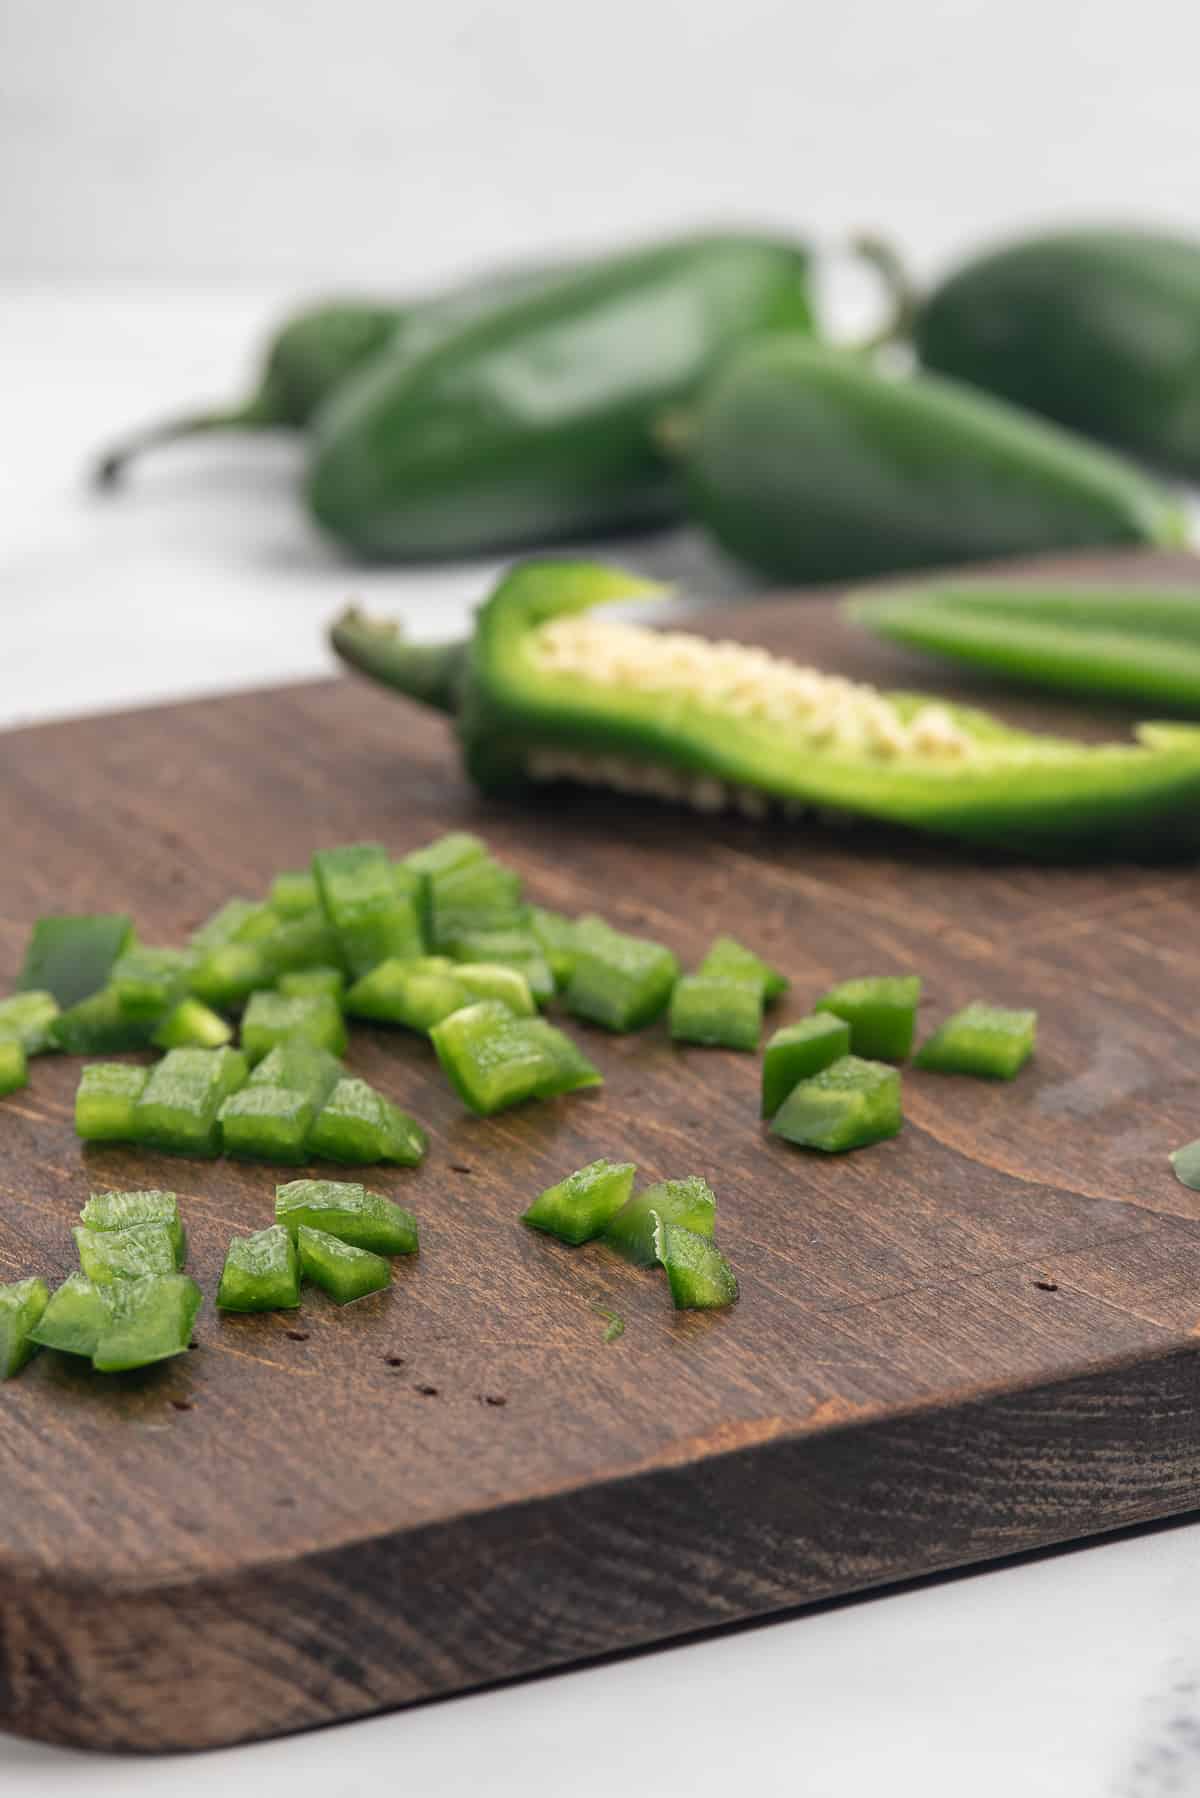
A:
[440,942]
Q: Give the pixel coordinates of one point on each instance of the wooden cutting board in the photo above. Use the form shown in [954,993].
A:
[974,1339]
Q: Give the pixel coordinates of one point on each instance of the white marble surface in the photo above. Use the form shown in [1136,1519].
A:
[1069,1677]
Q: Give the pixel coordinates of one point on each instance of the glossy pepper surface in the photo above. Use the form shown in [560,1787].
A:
[1135,643]
[539,421]
[1099,329]
[553,691]
[808,464]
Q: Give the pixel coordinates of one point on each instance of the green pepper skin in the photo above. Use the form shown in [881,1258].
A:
[1071,800]
[539,422]
[1098,329]
[1140,644]
[809,465]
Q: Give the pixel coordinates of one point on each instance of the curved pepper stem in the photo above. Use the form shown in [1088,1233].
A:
[900,290]
[255,415]
[429,672]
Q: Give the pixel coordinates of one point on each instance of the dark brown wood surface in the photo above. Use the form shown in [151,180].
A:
[973,1339]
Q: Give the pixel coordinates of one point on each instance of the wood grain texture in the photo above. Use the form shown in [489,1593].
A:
[976,1338]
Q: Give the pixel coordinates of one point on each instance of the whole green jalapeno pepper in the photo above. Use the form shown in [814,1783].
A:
[538,421]
[549,691]
[1099,329]
[809,464]
[316,349]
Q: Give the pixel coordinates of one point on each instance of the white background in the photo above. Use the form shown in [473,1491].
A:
[171,171]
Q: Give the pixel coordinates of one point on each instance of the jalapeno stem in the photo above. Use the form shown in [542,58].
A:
[430,672]
[110,468]
[899,288]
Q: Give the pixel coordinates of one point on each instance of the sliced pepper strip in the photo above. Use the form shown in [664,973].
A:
[545,699]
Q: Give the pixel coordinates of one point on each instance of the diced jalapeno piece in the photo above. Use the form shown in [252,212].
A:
[344,1209]
[192,1025]
[271,1118]
[75,1315]
[123,1210]
[729,958]
[151,1320]
[417,993]
[690,1203]
[28,1017]
[357,1124]
[226,924]
[515,947]
[717,1011]
[698,1274]
[228,973]
[981,1039]
[129,1254]
[303,982]
[179,1106]
[847,1105]
[622,982]
[1185,1163]
[98,1026]
[442,856]
[554,933]
[476,895]
[299,1066]
[294,892]
[21,1306]
[261,1273]
[494,1059]
[372,918]
[345,1272]
[490,980]
[581,1206]
[148,981]
[71,956]
[14,1072]
[299,943]
[881,1011]
[797,1052]
[105,1098]
[270,1018]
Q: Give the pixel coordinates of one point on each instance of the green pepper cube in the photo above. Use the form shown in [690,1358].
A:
[372,919]
[296,944]
[229,973]
[294,892]
[515,947]
[494,1059]
[261,1273]
[699,1277]
[225,924]
[717,1011]
[180,1104]
[300,983]
[76,1313]
[299,1066]
[582,1205]
[417,993]
[554,934]
[147,981]
[123,1210]
[21,1306]
[1185,1163]
[357,1124]
[151,1319]
[70,956]
[345,1209]
[846,1106]
[797,1052]
[690,1202]
[981,1039]
[105,1098]
[192,1025]
[28,1017]
[881,1011]
[419,870]
[346,1273]
[129,1254]
[731,959]
[622,982]
[98,1026]
[267,1123]
[270,1018]
[477,895]
[492,980]
[14,1071]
